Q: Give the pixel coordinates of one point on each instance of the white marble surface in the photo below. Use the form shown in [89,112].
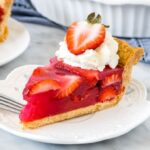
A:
[44,41]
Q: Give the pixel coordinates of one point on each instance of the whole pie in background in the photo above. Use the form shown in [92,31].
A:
[5,10]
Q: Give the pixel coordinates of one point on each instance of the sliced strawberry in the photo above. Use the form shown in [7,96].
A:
[90,75]
[107,94]
[43,72]
[112,79]
[83,35]
[69,83]
[44,86]
[109,71]
[39,71]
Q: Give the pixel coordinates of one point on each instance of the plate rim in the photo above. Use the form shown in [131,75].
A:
[11,58]
[52,140]
[42,139]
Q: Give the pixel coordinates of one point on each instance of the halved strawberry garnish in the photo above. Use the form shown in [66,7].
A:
[107,94]
[44,86]
[112,79]
[69,83]
[85,35]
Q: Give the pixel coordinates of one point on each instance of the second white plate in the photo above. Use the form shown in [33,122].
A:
[16,43]
[131,111]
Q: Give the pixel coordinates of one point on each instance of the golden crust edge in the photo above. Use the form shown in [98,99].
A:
[134,56]
[4,36]
[129,56]
[4,30]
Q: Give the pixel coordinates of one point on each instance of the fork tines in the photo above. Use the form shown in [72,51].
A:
[10,104]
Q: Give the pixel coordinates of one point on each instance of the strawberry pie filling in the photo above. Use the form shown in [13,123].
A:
[59,88]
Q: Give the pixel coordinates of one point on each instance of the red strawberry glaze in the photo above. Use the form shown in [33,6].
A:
[44,104]
[85,93]
[40,74]
[90,75]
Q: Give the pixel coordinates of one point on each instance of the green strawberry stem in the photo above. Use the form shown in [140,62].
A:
[93,19]
[106,26]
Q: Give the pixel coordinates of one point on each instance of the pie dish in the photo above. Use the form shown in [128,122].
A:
[127,18]
[5,9]
[90,72]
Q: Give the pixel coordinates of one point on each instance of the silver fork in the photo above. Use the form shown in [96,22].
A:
[9,104]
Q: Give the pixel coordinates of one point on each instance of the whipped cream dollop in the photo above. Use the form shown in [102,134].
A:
[105,54]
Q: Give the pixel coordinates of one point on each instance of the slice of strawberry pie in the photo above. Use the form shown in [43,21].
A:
[90,72]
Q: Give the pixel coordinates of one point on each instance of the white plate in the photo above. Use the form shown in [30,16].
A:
[110,123]
[16,43]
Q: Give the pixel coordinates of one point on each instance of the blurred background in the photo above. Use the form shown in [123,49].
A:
[126,18]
